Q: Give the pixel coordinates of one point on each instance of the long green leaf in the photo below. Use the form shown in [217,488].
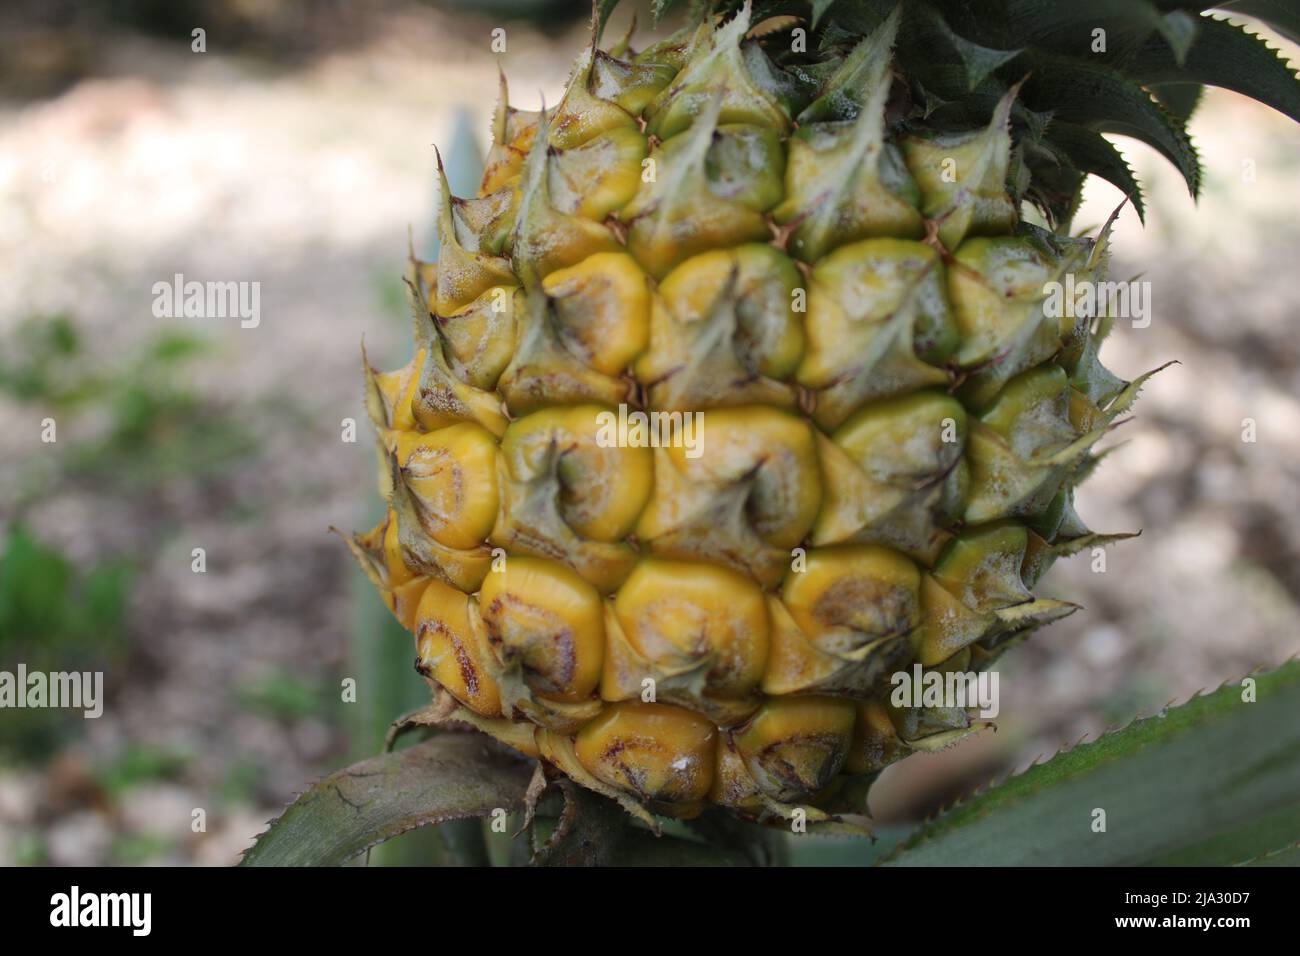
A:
[1180,99]
[1091,152]
[1288,856]
[451,777]
[1051,25]
[1215,781]
[1224,55]
[1282,15]
[1101,99]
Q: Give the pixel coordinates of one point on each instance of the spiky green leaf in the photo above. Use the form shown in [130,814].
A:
[454,776]
[1178,28]
[1104,100]
[1214,781]
[659,9]
[1282,15]
[1225,55]
[819,8]
[1180,99]
[980,61]
[1092,153]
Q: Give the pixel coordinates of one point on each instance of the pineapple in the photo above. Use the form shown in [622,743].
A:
[837,263]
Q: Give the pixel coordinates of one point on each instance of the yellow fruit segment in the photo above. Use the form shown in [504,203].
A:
[549,620]
[398,391]
[744,496]
[688,618]
[603,303]
[795,746]
[598,488]
[452,475]
[663,754]
[865,591]
[600,176]
[451,648]
[875,741]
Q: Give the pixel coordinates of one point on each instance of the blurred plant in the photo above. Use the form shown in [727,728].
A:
[552,16]
[43,595]
[281,695]
[128,427]
[157,426]
[137,849]
[137,764]
[53,616]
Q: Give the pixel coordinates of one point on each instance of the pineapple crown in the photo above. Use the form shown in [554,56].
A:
[1072,70]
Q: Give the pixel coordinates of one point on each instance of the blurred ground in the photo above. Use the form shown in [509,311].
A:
[146,160]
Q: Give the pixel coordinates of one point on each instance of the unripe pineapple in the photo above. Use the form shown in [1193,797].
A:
[824,262]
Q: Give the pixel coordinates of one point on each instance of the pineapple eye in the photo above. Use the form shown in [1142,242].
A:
[663,754]
[700,632]
[451,477]
[850,595]
[451,648]
[745,164]
[603,308]
[750,495]
[794,746]
[546,619]
[568,497]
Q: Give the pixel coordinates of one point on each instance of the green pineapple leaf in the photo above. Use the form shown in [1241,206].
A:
[819,8]
[1287,856]
[1104,100]
[659,9]
[1090,152]
[1224,55]
[1179,30]
[1215,781]
[603,9]
[1282,15]
[1180,99]
[453,776]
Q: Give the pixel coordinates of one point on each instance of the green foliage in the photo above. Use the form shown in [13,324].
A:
[1130,67]
[50,608]
[450,777]
[128,425]
[1214,781]
[157,426]
[137,849]
[55,616]
[240,784]
[137,764]
[282,695]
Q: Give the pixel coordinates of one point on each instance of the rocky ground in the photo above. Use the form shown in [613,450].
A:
[306,180]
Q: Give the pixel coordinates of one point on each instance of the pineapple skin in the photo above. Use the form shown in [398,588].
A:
[893,423]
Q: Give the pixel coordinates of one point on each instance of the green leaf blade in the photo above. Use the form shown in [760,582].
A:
[453,776]
[1212,782]
[1106,101]
[1093,154]
[1227,56]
